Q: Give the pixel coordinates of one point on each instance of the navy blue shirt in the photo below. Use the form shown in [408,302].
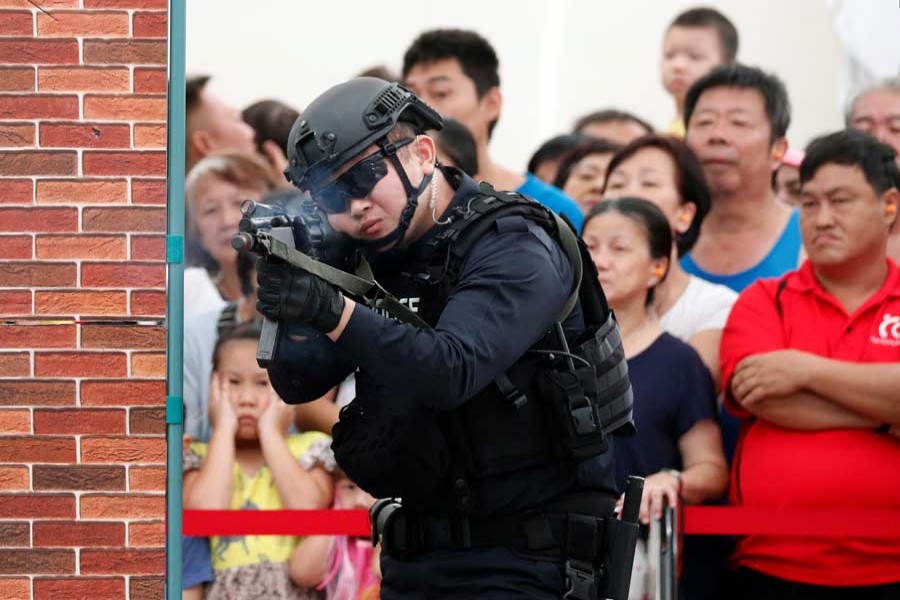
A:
[673,390]
[512,285]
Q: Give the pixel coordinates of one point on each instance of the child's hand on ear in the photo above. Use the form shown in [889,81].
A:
[221,413]
[277,416]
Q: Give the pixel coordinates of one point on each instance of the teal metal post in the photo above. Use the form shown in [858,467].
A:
[175,158]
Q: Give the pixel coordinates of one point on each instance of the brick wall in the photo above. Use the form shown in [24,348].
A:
[82,223]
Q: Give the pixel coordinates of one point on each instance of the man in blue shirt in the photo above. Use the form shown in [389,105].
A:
[456,71]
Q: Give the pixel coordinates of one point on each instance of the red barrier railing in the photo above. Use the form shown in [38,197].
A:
[697,520]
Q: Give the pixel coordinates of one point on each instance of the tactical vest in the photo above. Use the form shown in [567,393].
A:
[553,409]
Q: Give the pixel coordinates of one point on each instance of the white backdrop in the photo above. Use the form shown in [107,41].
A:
[558,58]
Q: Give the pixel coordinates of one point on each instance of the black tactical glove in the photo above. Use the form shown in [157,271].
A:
[287,293]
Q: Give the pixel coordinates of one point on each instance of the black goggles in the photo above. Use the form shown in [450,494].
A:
[357,182]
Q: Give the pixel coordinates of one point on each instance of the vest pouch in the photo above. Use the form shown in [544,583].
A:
[606,383]
[580,435]
[391,455]
[593,401]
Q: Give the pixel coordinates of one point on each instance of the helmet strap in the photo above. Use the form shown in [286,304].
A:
[412,201]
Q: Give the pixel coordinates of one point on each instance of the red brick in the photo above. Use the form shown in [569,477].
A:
[29,51]
[16,135]
[146,534]
[130,219]
[148,191]
[144,364]
[60,534]
[15,421]
[83,79]
[37,336]
[159,4]
[149,81]
[80,303]
[122,450]
[15,533]
[78,23]
[80,364]
[150,136]
[150,25]
[136,337]
[17,79]
[144,479]
[78,421]
[124,562]
[148,303]
[35,162]
[144,162]
[79,588]
[16,191]
[41,4]
[146,588]
[37,393]
[79,477]
[37,562]
[132,274]
[147,420]
[15,588]
[16,219]
[125,108]
[16,23]
[16,247]
[85,135]
[15,303]
[48,449]
[123,52]
[35,274]
[123,506]
[38,106]
[107,247]
[14,364]
[15,478]
[147,247]
[37,506]
[123,393]
[81,191]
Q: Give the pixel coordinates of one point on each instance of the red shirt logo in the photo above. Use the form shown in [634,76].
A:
[888,331]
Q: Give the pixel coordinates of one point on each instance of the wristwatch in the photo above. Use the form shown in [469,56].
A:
[677,475]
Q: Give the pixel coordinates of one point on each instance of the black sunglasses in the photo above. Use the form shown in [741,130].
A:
[356,182]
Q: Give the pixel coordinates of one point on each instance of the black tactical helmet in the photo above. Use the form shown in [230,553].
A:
[344,121]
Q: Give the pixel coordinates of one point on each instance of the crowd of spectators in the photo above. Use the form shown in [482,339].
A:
[755,285]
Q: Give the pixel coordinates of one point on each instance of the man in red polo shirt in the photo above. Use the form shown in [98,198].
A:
[812,362]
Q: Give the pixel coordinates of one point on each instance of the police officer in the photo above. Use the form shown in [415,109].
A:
[493,454]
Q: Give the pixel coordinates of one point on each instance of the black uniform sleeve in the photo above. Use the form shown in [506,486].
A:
[511,288]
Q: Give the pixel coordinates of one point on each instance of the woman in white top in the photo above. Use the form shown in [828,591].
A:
[664,171]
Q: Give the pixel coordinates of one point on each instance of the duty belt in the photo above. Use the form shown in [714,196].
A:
[598,550]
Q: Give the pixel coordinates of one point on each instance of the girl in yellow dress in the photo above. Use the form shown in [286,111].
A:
[251,463]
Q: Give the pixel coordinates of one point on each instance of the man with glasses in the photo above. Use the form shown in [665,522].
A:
[451,415]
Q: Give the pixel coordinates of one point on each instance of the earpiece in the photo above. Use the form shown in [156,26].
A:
[891,209]
[684,218]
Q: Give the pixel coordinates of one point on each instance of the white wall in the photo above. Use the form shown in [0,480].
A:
[559,58]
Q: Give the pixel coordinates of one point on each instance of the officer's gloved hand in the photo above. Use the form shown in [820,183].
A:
[287,293]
